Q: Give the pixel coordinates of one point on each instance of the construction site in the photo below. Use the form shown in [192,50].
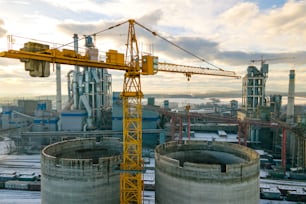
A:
[94,145]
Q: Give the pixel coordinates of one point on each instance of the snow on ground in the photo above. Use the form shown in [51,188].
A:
[214,137]
[18,197]
[25,164]
[276,202]
[21,164]
[6,145]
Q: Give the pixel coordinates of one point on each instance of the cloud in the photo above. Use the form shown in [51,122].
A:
[18,82]
[278,29]
[151,18]
[245,29]
[111,32]
[70,26]
[76,5]
[7,62]
[235,58]
[228,34]
[210,51]
[2,30]
[184,48]
[207,49]
[239,14]
[288,19]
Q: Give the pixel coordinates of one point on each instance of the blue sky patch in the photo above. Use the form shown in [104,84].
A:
[268,4]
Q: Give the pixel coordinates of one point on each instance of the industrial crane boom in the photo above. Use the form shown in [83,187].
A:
[37,58]
[190,70]
[69,57]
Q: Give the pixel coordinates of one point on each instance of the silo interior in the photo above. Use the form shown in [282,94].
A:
[206,157]
[87,153]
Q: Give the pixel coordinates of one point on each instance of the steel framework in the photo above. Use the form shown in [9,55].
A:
[132,164]
[131,184]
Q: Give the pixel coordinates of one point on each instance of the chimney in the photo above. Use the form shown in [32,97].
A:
[290,104]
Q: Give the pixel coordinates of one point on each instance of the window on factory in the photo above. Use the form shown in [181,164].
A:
[223,168]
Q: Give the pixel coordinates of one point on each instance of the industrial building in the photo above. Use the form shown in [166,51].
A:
[109,170]
[257,105]
[152,117]
[254,88]
[150,120]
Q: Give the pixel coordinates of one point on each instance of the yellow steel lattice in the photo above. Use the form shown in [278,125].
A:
[132,165]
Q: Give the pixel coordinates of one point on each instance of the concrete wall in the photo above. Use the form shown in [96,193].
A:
[209,172]
[81,171]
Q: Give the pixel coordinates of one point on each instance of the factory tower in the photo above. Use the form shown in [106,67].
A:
[254,89]
[292,143]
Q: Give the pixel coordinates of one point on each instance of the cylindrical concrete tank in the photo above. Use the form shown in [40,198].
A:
[206,172]
[81,171]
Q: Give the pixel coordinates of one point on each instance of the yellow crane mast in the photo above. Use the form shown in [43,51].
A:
[37,59]
[132,164]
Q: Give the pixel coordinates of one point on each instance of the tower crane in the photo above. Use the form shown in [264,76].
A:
[263,61]
[37,61]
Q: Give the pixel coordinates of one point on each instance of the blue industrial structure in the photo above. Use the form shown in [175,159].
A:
[150,120]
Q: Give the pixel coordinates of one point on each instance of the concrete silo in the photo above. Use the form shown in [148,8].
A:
[81,171]
[206,172]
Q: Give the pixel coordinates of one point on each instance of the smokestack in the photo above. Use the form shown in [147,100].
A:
[290,104]
[291,140]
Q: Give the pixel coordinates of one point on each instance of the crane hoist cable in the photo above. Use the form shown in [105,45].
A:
[154,34]
[177,46]
[31,39]
[94,34]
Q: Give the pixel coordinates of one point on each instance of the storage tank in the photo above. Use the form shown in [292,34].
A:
[206,172]
[81,171]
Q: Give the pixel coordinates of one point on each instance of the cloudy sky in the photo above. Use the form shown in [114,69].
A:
[226,33]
